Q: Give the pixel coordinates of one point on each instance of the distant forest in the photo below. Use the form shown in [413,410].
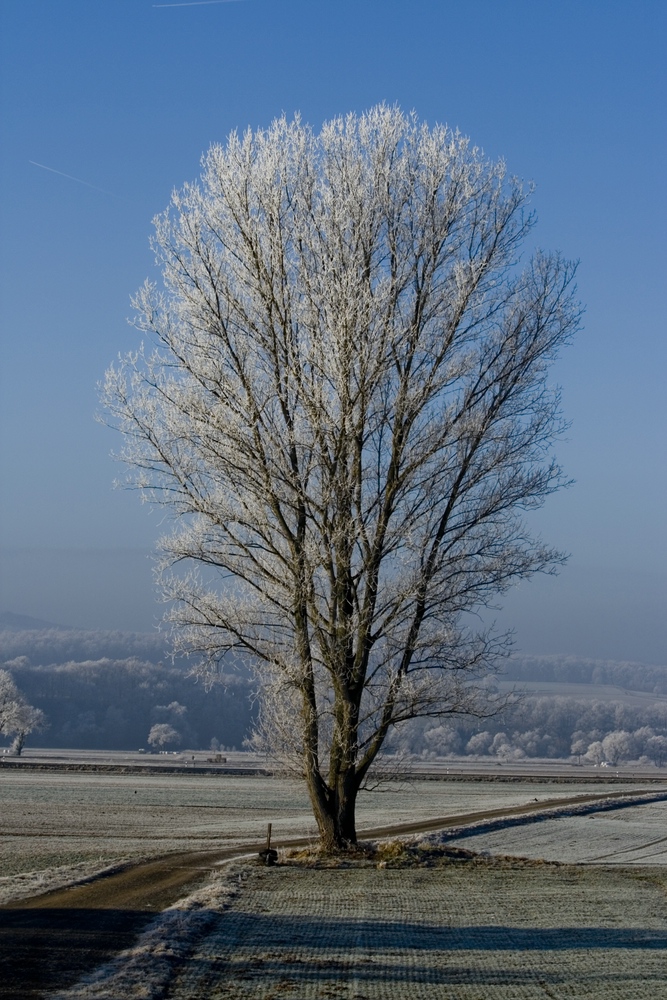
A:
[106,690]
[574,670]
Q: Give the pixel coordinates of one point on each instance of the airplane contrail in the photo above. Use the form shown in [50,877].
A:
[196,3]
[77,179]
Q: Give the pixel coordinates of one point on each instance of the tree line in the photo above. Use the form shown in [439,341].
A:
[102,701]
[593,730]
[111,704]
[562,669]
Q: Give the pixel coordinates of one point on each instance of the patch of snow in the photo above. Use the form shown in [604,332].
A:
[143,971]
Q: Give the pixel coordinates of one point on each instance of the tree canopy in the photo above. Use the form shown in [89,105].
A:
[345,404]
[17,717]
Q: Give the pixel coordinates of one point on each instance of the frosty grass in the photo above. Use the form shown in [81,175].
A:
[60,828]
[495,928]
[630,836]
[492,929]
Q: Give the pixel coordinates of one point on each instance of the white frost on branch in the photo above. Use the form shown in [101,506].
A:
[17,717]
[344,402]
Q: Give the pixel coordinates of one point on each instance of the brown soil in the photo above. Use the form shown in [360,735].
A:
[50,941]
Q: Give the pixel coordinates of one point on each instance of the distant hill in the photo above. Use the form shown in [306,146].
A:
[571,672]
[105,689]
[24,623]
[57,644]
[112,704]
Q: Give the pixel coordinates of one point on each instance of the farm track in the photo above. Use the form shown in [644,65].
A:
[50,941]
[631,850]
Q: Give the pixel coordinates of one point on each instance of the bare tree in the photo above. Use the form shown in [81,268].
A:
[579,745]
[595,753]
[17,717]
[346,407]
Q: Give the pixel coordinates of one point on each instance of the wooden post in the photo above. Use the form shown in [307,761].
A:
[268,837]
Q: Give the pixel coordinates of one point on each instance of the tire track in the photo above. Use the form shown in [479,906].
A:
[630,850]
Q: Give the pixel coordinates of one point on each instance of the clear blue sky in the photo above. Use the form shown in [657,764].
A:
[125,95]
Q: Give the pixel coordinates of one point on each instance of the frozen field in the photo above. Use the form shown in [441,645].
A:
[492,928]
[56,826]
[632,836]
[483,930]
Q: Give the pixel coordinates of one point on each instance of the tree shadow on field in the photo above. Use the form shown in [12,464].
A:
[331,935]
[45,949]
[248,951]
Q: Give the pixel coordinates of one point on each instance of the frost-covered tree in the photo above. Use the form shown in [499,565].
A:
[618,746]
[17,717]
[595,753]
[442,739]
[579,744]
[163,735]
[346,405]
[656,748]
[480,743]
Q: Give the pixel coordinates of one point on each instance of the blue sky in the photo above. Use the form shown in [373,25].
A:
[125,95]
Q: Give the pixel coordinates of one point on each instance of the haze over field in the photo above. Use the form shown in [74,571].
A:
[102,117]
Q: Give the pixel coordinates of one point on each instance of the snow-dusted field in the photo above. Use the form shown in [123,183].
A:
[124,815]
[490,929]
[631,836]
[56,827]
[472,931]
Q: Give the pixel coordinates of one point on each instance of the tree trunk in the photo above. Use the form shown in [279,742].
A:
[334,810]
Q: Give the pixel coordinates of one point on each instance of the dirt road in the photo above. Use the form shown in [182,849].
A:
[50,941]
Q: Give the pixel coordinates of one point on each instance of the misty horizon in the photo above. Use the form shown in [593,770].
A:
[585,610]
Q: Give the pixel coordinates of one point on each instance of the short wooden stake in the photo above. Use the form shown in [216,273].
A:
[268,837]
